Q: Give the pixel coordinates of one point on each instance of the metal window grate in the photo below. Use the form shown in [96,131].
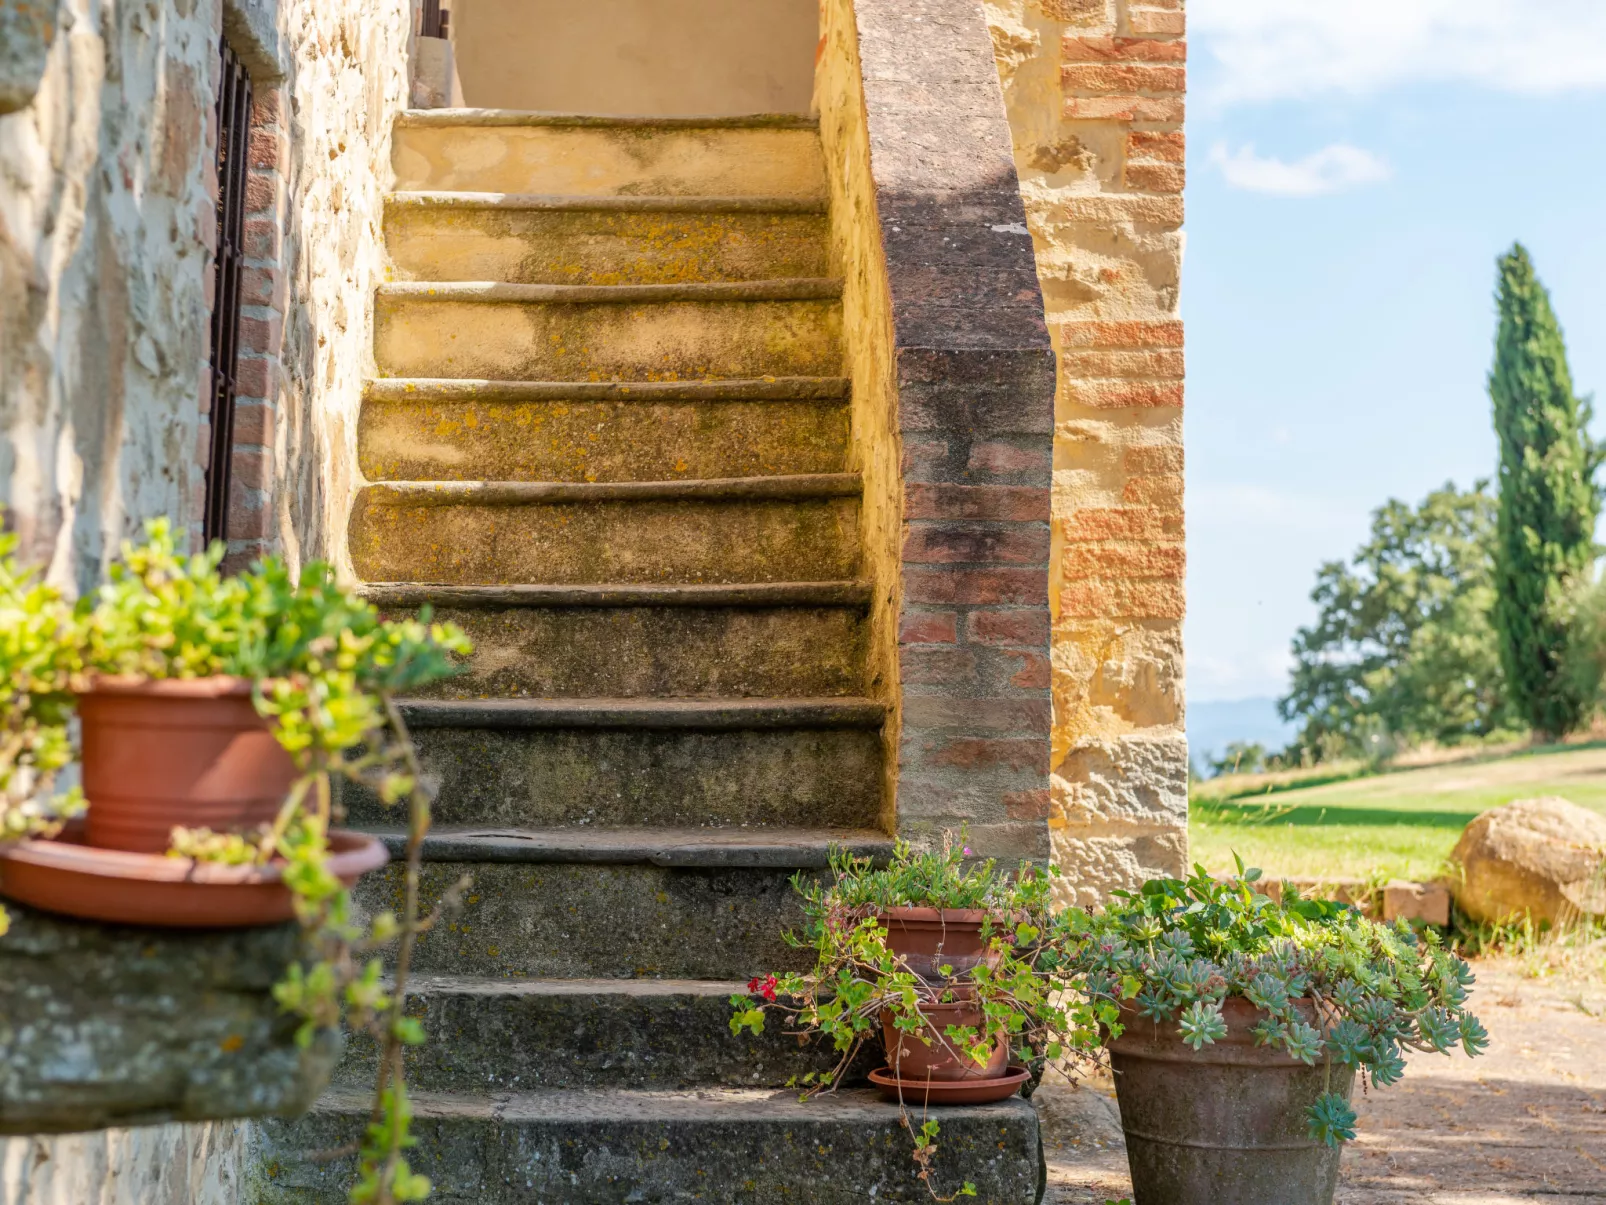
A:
[233,160]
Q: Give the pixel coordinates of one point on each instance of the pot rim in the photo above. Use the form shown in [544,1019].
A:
[918,914]
[350,853]
[215,686]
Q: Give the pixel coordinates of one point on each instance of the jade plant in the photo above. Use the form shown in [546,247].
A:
[856,977]
[325,670]
[1177,948]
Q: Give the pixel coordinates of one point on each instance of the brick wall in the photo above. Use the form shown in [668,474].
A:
[251,524]
[1094,91]
[953,397]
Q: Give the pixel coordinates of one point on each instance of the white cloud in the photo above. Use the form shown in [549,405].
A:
[1331,169]
[1268,49]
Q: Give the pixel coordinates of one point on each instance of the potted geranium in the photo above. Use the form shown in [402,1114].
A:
[952,966]
[1236,1025]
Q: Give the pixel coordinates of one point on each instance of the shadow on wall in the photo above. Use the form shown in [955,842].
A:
[102,283]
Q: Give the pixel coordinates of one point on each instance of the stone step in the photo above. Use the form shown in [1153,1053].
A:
[615,903]
[500,1035]
[533,763]
[789,639]
[486,150]
[528,332]
[422,430]
[753,529]
[439,236]
[730,1146]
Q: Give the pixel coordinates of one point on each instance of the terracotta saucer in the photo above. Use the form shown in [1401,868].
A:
[65,875]
[949,1092]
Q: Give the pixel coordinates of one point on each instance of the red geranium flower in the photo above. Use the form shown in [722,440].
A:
[764,987]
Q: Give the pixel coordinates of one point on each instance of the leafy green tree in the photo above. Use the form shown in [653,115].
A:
[1402,645]
[1239,757]
[1548,502]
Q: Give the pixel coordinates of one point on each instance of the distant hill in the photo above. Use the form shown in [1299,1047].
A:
[1212,726]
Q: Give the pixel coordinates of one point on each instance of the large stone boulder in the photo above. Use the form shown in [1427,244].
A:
[1545,858]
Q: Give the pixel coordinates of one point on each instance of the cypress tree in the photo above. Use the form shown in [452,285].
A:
[1545,536]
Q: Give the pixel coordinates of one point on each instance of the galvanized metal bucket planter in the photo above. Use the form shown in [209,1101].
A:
[1224,1125]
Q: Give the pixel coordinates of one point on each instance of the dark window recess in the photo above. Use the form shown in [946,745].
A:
[432,21]
[233,159]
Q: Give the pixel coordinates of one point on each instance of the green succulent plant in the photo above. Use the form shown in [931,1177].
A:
[1178,948]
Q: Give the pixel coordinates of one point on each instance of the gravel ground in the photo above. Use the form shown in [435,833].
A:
[1525,1122]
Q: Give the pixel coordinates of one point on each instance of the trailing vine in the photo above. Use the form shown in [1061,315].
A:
[326,671]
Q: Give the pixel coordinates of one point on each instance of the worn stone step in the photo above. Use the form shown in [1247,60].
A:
[499,1035]
[614,903]
[538,763]
[413,430]
[755,529]
[730,1146]
[525,644]
[442,236]
[532,332]
[484,150]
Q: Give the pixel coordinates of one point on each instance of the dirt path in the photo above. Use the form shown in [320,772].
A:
[1526,1122]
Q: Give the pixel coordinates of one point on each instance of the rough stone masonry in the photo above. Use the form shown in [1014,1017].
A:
[1094,91]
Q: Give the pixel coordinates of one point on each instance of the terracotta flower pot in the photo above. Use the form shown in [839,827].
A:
[64,875]
[1224,1125]
[189,752]
[911,1059]
[928,939]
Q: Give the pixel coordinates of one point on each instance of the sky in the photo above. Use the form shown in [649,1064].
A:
[1355,168]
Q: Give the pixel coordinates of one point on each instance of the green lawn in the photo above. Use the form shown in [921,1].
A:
[1402,824]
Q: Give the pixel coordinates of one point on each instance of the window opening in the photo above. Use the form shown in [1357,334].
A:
[233,158]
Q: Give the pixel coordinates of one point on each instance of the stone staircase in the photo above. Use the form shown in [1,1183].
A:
[611,439]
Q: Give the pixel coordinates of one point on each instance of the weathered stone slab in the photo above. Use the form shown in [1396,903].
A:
[436,236]
[110,1026]
[716,1146]
[822,777]
[501,1035]
[582,921]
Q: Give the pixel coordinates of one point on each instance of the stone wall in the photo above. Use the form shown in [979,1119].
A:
[106,226]
[346,78]
[152,1165]
[953,392]
[1094,91]
[107,230]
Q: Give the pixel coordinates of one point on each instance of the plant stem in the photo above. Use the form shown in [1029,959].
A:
[390,1064]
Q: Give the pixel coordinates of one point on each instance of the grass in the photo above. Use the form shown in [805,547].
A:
[1397,824]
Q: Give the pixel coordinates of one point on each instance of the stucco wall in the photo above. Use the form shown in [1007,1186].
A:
[1094,91]
[701,57]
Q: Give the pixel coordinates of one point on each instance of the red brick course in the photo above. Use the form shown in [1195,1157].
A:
[983,587]
[1001,502]
[1014,544]
[1023,627]
[1120,334]
[1123,78]
[1079,48]
[929,627]
[1121,523]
